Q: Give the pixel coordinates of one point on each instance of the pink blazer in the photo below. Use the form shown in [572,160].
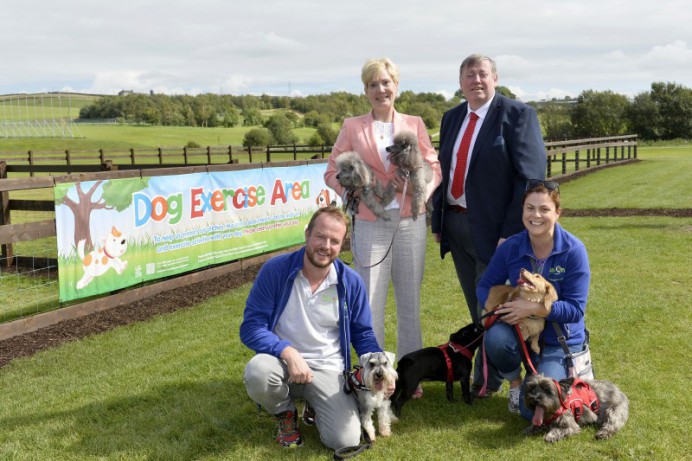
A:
[357,134]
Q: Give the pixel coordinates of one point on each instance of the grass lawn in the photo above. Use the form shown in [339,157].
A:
[171,388]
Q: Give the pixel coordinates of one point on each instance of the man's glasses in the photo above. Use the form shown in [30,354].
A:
[534,183]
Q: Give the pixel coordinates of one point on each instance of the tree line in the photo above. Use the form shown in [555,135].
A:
[664,112]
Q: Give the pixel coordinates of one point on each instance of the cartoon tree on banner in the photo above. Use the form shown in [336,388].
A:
[113,196]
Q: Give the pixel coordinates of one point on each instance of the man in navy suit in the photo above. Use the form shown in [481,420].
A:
[478,204]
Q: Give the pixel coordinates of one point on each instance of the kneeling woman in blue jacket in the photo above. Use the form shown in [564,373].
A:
[543,247]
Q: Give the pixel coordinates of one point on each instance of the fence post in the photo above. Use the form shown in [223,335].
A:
[230,154]
[101,157]
[576,160]
[589,153]
[108,166]
[132,155]
[249,154]
[68,157]
[31,163]
[322,151]
[607,154]
[5,248]
[160,156]
[564,161]
[208,155]
[295,152]
[269,155]
[185,155]
[549,165]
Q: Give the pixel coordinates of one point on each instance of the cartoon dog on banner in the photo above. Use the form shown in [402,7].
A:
[98,261]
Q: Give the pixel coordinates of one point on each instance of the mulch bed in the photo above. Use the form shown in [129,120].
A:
[184,297]
[163,303]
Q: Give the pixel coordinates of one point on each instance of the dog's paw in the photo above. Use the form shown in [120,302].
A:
[533,430]
[603,434]
[554,435]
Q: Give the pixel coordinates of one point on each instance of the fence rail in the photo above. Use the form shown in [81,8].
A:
[579,152]
[36,170]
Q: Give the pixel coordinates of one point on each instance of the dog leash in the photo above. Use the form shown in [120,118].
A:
[491,318]
[389,249]
[354,383]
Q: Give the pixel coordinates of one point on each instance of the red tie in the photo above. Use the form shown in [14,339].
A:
[462,157]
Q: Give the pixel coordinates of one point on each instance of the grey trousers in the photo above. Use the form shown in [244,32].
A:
[403,265]
[337,419]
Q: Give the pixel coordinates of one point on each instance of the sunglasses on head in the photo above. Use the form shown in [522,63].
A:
[550,185]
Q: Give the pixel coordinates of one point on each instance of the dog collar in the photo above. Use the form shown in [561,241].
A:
[458,349]
[105,251]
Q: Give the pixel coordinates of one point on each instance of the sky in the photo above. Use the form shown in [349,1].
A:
[543,48]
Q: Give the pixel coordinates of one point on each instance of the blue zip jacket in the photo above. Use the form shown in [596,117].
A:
[567,268]
[271,291]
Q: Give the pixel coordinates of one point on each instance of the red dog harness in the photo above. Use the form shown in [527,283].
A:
[580,396]
[457,348]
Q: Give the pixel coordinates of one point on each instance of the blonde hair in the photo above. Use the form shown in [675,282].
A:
[373,67]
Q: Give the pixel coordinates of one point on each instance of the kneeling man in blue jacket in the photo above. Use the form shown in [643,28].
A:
[304,312]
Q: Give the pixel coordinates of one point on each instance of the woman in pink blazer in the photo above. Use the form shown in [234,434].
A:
[391,249]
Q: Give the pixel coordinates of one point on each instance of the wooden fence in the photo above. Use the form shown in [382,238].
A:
[31,171]
[580,152]
[587,152]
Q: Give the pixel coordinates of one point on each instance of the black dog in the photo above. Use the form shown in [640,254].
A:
[431,364]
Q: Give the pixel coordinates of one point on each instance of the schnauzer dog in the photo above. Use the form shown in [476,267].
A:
[449,362]
[356,176]
[378,375]
[532,287]
[560,408]
[404,153]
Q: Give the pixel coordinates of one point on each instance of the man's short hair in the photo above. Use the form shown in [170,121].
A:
[475,59]
[333,211]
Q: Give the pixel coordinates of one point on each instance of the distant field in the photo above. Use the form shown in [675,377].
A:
[121,136]
[42,106]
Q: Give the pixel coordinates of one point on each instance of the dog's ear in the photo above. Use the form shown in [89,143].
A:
[365,358]
[550,296]
[391,357]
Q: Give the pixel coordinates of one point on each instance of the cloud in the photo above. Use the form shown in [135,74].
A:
[542,48]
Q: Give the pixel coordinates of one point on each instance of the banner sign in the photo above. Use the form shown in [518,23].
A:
[117,233]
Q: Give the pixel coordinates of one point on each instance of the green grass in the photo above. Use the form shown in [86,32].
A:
[171,388]
[662,180]
[125,136]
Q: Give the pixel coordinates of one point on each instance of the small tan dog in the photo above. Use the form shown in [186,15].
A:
[532,287]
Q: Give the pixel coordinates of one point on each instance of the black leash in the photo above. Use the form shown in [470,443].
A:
[353,384]
[350,452]
[351,206]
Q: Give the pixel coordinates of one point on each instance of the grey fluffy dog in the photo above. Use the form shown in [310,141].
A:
[356,176]
[406,155]
[378,375]
[562,416]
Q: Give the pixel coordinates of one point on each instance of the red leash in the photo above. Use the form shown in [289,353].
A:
[526,357]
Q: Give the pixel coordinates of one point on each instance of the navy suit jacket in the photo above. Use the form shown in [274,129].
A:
[509,149]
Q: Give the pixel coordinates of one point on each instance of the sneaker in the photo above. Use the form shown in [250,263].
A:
[513,404]
[288,435]
[308,415]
